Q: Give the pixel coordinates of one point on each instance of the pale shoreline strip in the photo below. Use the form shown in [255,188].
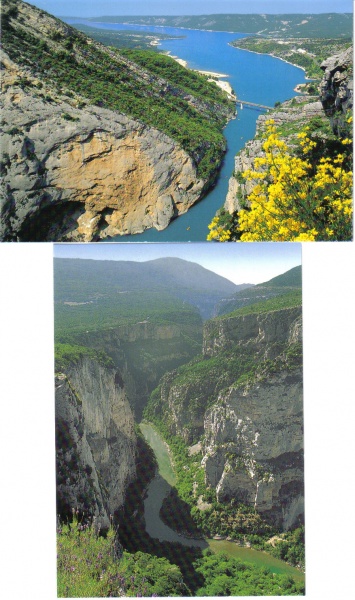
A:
[214,77]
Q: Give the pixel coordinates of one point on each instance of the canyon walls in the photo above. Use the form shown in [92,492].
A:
[247,416]
[95,439]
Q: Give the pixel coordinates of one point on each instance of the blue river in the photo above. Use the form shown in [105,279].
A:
[254,77]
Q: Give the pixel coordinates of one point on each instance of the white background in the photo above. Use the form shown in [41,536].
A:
[27,420]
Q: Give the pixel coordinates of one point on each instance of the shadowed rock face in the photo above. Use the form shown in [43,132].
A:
[143,353]
[96,174]
[95,440]
[336,89]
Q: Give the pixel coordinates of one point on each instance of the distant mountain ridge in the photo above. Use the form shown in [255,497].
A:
[127,288]
[281,284]
[285,25]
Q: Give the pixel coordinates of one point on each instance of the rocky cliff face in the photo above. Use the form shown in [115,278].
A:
[264,334]
[337,87]
[254,447]
[78,172]
[98,172]
[254,433]
[144,352]
[252,429]
[95,439]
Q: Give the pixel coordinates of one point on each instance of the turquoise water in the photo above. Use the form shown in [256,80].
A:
[254,77]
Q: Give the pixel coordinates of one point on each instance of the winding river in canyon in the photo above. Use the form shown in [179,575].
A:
[256,78]
[159,488]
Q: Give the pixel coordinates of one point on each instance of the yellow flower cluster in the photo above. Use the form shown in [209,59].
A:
[217,232]
[295,200]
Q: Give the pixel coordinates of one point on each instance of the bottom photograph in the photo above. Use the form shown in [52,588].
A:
[179,420]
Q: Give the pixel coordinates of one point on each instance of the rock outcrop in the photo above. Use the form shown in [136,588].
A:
[98,172]
[252,429]
[253,441]
[95,144]
[95,440]
[254,448]
[337,87]
[292,111]
[262,333]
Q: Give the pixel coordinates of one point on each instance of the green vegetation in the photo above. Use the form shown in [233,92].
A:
[290,547]
[127,309]
[324,25]
[305,53]
[280,302]
[180,512]
[227,576]
[71,63]
[280,285]
[200,382]
[92,296]
[123,39]
[67,354]
[93,565]
[319,128]
[233,519]
[292,278]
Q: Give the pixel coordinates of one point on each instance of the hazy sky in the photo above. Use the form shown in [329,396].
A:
[241,263]
[189,7]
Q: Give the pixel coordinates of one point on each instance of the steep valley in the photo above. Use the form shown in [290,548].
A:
[226,395]
[247,414]
[97,141]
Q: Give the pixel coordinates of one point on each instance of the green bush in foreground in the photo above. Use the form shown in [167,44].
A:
[91,565]
[94,565]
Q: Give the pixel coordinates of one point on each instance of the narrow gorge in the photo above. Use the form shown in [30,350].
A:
[225,393]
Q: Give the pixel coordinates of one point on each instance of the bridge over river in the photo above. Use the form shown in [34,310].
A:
[254,105]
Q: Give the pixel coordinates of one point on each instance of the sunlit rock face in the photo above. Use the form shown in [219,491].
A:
[252,430]
[95,175]
[254,447]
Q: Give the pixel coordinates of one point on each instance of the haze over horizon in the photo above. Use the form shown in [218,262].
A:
[90,8]
[239,263]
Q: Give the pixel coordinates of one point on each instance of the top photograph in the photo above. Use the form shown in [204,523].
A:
[176,121]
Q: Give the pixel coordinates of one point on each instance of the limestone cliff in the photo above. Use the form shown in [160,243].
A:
[95,439]
[98,172]
[244,401]
[93,143]
[144,352]
[254,447]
